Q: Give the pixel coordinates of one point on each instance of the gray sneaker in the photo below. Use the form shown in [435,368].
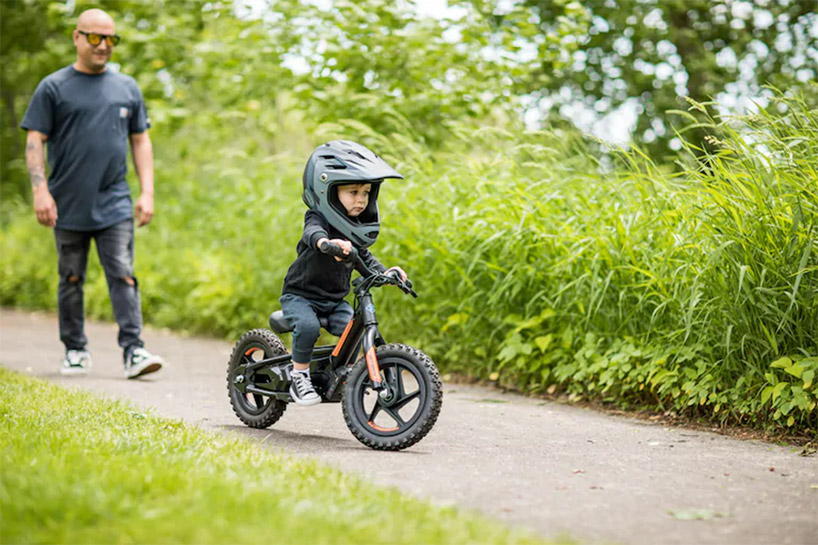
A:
[302,391]
[75,362]
[141,362]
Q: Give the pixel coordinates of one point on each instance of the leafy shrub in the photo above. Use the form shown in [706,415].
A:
[536,264]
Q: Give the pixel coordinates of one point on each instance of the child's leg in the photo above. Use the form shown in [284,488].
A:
[339,318]
[300,313]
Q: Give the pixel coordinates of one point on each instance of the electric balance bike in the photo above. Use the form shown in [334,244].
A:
[391,397]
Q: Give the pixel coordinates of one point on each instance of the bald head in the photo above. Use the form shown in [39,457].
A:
[91,24]
[93,17]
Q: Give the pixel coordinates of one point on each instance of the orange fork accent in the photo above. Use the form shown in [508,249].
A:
[343,338]
[372,365]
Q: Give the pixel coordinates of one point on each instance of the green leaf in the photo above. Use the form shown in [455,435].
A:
[781,362]
[808,376]
[456,319]
[507,353]
[543,342]
[778,389]
[795,370]
[770,337]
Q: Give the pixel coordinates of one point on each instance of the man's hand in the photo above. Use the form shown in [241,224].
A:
[144,209]
[44,206]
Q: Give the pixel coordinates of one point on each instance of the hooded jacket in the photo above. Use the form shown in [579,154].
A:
[318,276]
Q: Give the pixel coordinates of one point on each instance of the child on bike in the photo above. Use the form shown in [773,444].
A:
[341,184]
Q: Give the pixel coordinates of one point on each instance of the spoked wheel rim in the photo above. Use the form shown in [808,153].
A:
[399,411]
[254,404]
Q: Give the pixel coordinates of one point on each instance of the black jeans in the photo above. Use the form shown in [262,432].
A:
[303,314]
[115,250]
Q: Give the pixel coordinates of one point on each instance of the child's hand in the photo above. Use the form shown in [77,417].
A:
[399,271]
[345,245]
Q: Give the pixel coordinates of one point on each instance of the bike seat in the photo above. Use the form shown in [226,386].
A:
[280,324]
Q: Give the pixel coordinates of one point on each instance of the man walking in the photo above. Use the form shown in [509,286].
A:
[87,114]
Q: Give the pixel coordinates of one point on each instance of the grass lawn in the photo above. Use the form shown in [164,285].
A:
[79,469]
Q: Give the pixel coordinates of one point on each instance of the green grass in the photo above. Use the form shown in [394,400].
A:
[79,469]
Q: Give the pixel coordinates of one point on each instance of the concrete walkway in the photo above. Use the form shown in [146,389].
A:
[552,468]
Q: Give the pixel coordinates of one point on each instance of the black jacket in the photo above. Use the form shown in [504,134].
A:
[319,276]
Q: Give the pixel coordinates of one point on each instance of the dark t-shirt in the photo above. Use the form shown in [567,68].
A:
[88,118]
[316,275]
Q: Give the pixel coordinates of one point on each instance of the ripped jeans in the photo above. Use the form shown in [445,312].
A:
[115,251]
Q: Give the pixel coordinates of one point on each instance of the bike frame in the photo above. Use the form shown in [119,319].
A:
[361,332]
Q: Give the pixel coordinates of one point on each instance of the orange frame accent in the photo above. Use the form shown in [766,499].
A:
[343,338]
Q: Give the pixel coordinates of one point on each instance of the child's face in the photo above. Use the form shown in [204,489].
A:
[355,198]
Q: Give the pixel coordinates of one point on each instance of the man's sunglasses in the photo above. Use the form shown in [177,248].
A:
[96,39]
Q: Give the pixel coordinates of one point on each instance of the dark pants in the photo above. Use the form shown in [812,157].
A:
[115,250]
[303,314]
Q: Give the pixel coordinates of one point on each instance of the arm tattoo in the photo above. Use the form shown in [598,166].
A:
[36,179]
[34,162]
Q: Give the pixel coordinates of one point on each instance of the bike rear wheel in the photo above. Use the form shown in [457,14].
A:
[255,410]
[408,413]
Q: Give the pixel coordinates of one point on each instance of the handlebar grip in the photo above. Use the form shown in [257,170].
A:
[331,248]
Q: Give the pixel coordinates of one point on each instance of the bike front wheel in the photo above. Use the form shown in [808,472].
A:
[410,407]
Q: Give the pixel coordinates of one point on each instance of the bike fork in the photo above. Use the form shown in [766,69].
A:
[372,360]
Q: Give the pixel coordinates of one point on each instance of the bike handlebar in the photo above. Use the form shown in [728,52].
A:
[377,278]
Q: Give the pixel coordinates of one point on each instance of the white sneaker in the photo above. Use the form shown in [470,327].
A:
[75,362]
[302,391]
[141,362]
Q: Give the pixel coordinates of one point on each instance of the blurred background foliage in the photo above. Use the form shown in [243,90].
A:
[648,55]
[547,260]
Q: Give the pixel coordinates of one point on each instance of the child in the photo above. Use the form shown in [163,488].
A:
[341,183]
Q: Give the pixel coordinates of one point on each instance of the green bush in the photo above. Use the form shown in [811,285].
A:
[537,264]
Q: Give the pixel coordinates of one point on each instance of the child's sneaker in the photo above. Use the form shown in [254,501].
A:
[141,362]
[301,389]
[75,362]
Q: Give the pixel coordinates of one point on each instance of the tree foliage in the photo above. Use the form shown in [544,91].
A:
[655,52]
[380,63]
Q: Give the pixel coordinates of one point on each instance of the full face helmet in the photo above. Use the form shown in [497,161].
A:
[341,162]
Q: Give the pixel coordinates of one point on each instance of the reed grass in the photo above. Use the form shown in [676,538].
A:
[539,266]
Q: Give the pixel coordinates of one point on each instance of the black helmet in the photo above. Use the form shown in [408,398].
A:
[341,162]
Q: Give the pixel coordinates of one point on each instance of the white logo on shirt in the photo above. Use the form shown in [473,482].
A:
[123,113]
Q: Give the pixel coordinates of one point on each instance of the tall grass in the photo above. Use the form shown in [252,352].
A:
[537,266]
[685,290]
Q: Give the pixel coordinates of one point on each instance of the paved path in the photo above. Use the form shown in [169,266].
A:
[555,469]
